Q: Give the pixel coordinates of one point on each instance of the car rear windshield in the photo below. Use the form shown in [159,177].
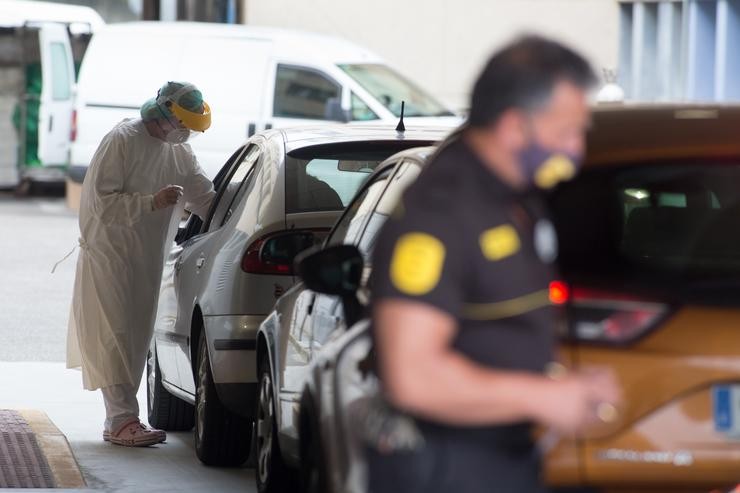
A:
[659,228]
[326,177]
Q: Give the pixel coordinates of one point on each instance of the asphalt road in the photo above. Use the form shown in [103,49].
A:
[34,308]
[34,304]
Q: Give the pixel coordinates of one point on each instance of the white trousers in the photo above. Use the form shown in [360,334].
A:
[120,405]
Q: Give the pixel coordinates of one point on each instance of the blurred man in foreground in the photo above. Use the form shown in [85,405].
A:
[464,328]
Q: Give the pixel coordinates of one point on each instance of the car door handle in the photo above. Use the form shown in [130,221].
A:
[200,262]
[51,122]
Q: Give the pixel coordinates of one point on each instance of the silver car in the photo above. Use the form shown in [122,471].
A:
[277,195]
[300,386]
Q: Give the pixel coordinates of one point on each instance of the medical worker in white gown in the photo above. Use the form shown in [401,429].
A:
[141,176]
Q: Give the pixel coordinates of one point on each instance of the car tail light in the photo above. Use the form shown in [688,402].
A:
[559,293]
[600,316]
[273,254]
[73,127]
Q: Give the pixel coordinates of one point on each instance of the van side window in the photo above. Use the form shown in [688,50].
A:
[232,189]
[304,93]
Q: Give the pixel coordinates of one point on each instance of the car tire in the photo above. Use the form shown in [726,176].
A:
[313,474]
[164,410]
[273,474]
[222,438]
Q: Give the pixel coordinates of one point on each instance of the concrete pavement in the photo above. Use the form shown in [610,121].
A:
[79,414]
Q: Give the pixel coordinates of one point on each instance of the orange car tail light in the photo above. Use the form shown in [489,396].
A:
[559,293]
[604,317]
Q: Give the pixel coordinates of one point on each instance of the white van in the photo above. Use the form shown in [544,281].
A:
[253,78]
[39,44]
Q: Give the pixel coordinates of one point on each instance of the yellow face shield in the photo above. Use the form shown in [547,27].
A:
[198,122]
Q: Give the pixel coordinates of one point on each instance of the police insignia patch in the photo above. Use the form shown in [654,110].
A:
[417,263]
[499,242]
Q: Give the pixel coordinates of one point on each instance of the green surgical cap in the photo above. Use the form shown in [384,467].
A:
[190,100]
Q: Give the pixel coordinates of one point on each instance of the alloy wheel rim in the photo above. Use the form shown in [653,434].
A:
[265,417]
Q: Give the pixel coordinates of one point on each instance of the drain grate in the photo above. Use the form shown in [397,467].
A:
[22,463]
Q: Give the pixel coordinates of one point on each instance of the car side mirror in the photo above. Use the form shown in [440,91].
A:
[275,254]
[283,248]
[334,111]
[335,270]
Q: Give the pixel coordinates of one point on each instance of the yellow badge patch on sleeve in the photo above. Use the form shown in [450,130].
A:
[499,242]
[417,262]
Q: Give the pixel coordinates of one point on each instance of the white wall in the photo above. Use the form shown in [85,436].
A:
[442,44]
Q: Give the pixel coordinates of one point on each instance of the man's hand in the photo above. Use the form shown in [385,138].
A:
[167,197]
[571,403]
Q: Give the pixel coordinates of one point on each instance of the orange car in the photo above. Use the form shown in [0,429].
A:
[650,259]
[649,238]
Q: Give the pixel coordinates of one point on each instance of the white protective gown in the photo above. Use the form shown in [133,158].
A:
[122,250]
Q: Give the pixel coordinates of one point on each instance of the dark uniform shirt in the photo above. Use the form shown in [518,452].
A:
[464,242]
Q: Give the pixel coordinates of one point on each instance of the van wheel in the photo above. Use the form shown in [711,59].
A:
[222,438]
[273,475]
[164,410]
[314,477]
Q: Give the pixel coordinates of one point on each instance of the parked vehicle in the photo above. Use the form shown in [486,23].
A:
[649,256]
[40,44]
[278,194]
[262,78]
[302,322]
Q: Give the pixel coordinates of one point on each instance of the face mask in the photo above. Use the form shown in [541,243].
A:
[545,168]
[177,136]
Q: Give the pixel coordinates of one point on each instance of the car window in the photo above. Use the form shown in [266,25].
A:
[304,93]
[231,190]
[347,229]
[194,224]
[669,227]
[389,202]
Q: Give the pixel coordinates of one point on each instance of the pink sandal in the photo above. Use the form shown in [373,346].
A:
[133,433]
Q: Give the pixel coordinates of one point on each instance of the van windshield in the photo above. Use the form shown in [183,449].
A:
[390,88]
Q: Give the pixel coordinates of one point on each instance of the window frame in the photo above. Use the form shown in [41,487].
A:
[389,169]
[243,185]
[242,154]
[398,166]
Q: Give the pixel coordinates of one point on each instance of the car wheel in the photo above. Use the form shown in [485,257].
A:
[273,475]
[164,410]
[314,478]
[222,438]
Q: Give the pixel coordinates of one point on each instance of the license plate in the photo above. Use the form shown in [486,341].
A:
[726,405]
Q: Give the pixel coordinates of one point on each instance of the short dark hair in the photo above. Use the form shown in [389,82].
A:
[523,75]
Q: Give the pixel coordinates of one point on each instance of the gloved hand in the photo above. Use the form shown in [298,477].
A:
[167,197]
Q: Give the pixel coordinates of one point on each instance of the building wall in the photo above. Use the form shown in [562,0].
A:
[442,44]
[680,50]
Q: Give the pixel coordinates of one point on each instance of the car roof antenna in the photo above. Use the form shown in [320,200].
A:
[401,127]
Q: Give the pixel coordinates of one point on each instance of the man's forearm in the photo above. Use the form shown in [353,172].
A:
[453,389]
